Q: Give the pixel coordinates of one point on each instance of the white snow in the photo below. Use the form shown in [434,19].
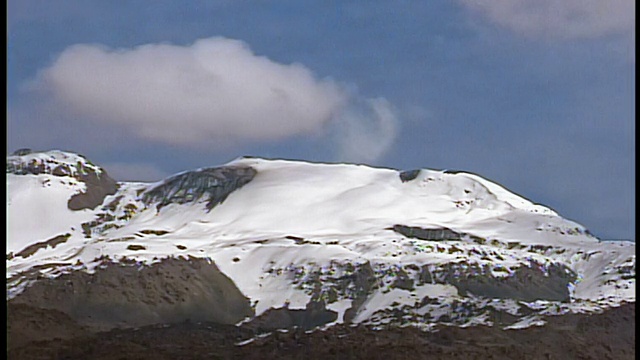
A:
[526,322]
[295,219]
[37,209]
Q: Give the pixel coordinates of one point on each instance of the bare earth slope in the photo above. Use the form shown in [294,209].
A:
[127,295]
[610,335]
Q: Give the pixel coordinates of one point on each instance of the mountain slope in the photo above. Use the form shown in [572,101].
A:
[311,244]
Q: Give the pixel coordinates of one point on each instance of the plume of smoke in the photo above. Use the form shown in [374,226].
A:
[365,130]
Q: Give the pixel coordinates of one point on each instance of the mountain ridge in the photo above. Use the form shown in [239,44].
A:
[309,243]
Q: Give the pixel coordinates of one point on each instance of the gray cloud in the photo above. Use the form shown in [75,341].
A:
[213,91]
[560,19]
[122,171]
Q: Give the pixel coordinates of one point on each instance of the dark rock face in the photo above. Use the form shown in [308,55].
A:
[22,152]
[356,282]
[438,234]
[215,183]
[409,175]
[362,281]
[525,284]
[313,315]
[129,295]
[53,242]
[98,187]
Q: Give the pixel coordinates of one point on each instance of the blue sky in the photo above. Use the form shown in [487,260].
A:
[538,96]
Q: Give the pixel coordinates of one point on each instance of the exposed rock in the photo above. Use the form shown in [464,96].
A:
[425,275]
[215,183]
[97,181]
[337,281]
[154,232]
[313,315]
[53,242]
[409,175]
[403,281]
[525,284]
[127,295]
[98,187]
[22,152]
[428,234]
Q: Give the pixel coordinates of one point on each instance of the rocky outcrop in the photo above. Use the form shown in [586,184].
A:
[436,234]
[358,283]
[53,242]
[22,152]
[523,284]
[409,175]
[130,295]
[313,315]
[97,182]
[97,188]
[214,183]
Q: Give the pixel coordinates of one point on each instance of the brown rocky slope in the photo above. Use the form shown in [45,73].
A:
[610,335]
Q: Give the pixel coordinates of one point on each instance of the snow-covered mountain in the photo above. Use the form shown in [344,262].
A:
[280,243]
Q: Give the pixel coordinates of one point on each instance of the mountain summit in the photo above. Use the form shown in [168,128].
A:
[278,243]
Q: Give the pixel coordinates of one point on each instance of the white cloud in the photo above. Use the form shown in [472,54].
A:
[213,92]
[560,19]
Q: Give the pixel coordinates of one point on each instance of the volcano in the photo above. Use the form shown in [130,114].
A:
[274,245]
